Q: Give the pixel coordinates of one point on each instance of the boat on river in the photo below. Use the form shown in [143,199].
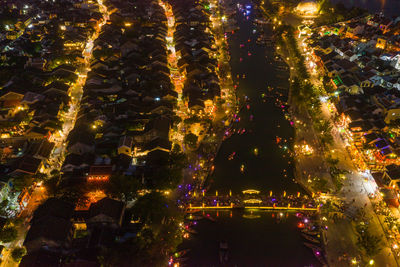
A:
[318,253]
[223,252]
[192,217]
[312,239]
[309,232]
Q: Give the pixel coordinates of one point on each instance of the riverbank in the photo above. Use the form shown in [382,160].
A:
[353,202]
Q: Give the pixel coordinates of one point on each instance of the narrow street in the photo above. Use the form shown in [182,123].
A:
[75,92]
[177,78]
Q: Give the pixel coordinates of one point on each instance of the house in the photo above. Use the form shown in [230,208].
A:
[11,99]
[81,140]
[99,172]
[51,227]
[74,162]
[125,145]
[40,149]
[27,165]
[106,212]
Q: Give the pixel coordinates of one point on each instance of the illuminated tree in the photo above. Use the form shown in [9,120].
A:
[17,253]
[191,140]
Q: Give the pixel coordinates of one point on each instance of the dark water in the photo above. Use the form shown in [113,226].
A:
[256,238]
[388,7]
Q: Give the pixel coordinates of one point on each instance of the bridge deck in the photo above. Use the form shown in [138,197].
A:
[252,207]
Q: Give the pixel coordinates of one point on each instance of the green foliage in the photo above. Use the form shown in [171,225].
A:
[320,184]
[152,208]
[51,184]
[3,208]
[192,119]
[159,235]
[335,13]
[21,182]
[103,53]
[369,243]
[8,234]
[75,194]
[190,139]
[392,222]
[332,161]
[169,173]
[337,179]
[176,119]
[17,253]
[122,187]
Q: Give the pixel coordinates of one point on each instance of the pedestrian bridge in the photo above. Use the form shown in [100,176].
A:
[252,199]
[217,207]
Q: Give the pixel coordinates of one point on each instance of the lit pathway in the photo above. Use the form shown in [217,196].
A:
[75,92]
[177,77]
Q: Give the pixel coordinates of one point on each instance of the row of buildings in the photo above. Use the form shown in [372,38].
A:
[127,105]
[197,53]
[122,128]
[41,45]
[361,59]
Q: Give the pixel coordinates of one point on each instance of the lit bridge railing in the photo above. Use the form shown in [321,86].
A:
[261,207]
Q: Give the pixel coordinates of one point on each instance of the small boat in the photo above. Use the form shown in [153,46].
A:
[182,252]
[312,246]
[192,211]
[242,168]
[320,257]
[209,218]
[191,231]
[223,252]
[308,232]
[192,217]
[312,239]
[231,156]
[256,151]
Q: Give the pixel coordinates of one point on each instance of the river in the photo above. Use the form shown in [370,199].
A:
[255,238]
[388,7]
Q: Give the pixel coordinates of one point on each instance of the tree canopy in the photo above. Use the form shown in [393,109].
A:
[8,234]
[122,186]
